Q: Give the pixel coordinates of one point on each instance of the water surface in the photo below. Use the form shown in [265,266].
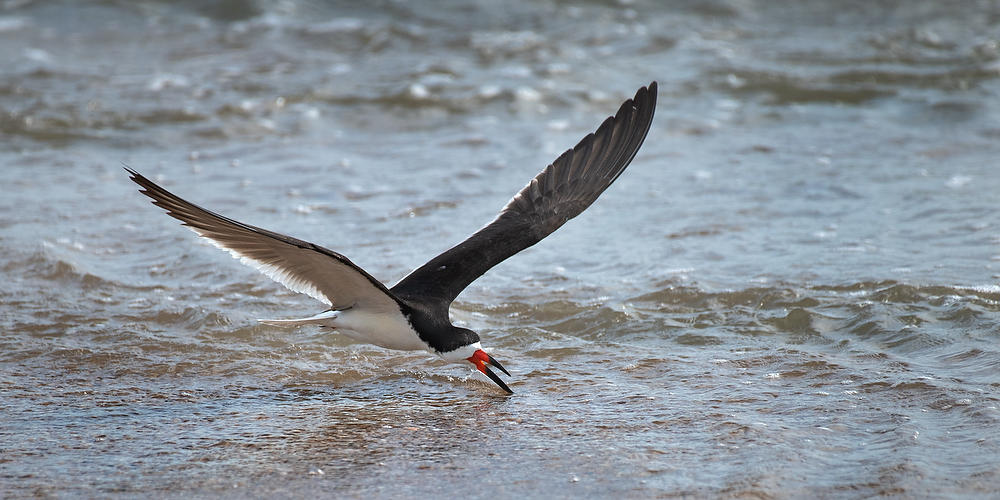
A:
[793,290]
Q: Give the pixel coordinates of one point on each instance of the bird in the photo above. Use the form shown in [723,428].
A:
[413,314]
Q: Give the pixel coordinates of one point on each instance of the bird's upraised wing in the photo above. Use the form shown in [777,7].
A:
[301,266]
[560,192]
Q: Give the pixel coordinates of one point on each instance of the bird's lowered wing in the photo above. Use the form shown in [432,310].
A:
[301,266]
[560,192]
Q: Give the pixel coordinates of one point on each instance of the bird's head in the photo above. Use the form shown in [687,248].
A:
[472,351]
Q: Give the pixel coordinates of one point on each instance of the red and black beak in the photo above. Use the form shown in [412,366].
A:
[481,359]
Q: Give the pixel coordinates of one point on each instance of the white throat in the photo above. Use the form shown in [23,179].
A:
[462,353]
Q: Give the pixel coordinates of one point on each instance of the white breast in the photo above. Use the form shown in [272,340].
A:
[391,331]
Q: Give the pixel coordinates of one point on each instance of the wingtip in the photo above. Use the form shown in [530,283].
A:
[647,93]
[134,175]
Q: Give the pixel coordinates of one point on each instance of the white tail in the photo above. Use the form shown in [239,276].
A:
[323,318]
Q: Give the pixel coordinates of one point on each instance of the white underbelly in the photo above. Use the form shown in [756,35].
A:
[391,331]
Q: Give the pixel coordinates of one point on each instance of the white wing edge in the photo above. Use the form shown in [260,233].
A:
[272,271]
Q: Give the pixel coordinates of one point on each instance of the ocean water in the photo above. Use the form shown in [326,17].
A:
[794,290]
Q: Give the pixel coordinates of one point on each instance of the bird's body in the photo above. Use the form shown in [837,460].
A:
[413,314]
[389,330]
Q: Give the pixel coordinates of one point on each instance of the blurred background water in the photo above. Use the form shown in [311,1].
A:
[794,289]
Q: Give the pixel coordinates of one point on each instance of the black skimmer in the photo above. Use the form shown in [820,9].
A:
[413,314]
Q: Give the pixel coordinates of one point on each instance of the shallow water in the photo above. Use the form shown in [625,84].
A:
[793,290]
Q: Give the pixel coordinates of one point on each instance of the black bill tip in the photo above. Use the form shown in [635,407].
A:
[496,378]
[494,362]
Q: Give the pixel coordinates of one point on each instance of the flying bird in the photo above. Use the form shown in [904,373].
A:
[413,314]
